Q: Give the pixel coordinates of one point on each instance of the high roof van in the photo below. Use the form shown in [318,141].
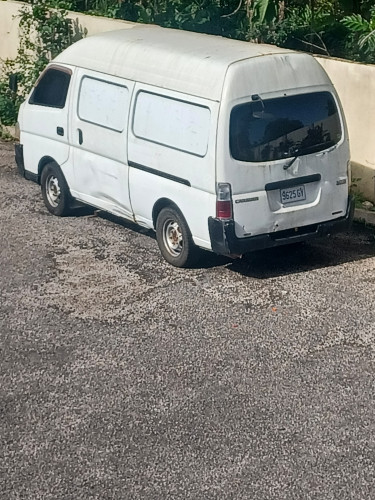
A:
[213,143]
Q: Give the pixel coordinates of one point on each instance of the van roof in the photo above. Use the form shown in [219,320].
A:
[184,61]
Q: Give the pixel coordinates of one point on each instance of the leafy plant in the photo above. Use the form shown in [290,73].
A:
[357,195]
[9,104]
[362,34]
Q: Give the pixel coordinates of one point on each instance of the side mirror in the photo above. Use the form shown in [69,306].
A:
[13,82]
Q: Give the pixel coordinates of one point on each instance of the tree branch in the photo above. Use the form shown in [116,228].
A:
[235,11]
[320,47]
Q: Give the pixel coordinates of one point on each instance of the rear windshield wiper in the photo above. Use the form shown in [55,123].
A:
[308,150]
[289,164]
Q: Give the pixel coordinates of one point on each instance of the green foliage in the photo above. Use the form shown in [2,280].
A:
[4,134]
[357,195]
[362,36]
[263,11]
[9,103]
[44,32]
[108,8]
[312,25]
[318,26]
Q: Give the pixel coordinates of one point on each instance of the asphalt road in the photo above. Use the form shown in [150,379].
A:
[122,377]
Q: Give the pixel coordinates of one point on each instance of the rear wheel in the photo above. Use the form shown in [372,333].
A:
[174,238]
[55,190]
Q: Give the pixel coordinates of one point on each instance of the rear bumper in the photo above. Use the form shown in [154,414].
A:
[225,242]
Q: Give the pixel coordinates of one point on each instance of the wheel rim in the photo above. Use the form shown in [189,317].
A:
[53,191]
[172,237]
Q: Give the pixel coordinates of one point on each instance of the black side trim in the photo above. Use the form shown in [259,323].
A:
[31,177]
[18,153]
[292,182]
[160,173]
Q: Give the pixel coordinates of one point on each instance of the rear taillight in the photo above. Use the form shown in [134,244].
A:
[223,201]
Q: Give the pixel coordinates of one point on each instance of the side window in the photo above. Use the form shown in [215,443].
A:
[173,123]
[103,103]
[52,89]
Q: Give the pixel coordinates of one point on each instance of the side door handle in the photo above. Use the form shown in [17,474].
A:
[80,136]
[60,131]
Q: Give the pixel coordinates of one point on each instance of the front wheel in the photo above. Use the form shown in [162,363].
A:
[174,238]
[55,190]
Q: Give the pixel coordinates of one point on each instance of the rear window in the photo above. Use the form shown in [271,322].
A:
[52,89]
[273,129]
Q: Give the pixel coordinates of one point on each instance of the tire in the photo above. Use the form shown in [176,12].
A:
[55,191]
[174,238]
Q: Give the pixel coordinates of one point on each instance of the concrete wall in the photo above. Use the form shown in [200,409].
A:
[355,84]
[9,26]
[8,29]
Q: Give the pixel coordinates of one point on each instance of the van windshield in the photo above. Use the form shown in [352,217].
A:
[285,127]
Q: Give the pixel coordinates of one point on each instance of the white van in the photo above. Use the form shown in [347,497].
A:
[214,143]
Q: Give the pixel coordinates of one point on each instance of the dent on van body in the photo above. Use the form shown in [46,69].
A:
[98,139]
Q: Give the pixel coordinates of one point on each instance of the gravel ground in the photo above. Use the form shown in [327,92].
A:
[124,378]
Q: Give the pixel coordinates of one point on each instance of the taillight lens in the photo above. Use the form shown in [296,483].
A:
[223,201]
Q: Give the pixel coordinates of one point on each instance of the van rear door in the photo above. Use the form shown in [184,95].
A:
[288,162]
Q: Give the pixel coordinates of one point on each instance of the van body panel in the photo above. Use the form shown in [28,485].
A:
[98,139]
[147,189]
[273,74]
[164,166]
[225,242]
[187,162]
[257,210]
[45,129]
[187,62]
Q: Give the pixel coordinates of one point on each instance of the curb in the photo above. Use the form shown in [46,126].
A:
[366,216]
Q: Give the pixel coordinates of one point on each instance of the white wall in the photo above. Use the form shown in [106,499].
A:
[8,29]
[355,84]
[9,26]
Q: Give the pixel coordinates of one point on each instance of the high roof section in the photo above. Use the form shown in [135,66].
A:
[188,62]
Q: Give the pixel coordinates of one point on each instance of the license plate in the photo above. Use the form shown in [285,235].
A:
[291,195]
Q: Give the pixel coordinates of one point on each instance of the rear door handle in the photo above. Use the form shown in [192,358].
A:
[80,136]
[60,131]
